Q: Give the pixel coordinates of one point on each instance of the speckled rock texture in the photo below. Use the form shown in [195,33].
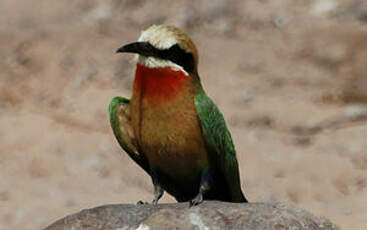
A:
[209,215]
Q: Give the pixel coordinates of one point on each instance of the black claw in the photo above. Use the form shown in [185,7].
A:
[140,202]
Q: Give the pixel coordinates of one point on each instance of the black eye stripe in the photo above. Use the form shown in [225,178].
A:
[175,54]
[179,56]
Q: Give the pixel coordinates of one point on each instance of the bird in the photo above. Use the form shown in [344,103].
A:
[170,127]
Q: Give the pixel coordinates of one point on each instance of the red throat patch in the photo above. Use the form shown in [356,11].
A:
[158,84]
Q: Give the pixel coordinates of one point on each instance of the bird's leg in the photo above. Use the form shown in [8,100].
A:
[158,191]
[206,180]
[204,187]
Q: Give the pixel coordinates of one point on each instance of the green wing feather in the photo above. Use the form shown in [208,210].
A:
[219,142]
[121,125]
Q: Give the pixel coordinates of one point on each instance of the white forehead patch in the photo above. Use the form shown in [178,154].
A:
[159,39]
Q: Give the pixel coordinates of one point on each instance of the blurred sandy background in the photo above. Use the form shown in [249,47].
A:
[290,77]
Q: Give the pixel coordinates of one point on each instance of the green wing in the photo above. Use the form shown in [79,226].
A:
[121,125]
[219,142]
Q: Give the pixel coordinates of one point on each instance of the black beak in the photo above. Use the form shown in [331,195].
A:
[142,48]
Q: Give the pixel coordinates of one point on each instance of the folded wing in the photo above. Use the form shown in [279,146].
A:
[220,145]
[121,125]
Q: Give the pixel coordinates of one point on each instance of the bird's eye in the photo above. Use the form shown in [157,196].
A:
[181,57]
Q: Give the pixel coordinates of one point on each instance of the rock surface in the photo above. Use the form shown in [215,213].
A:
[209,215]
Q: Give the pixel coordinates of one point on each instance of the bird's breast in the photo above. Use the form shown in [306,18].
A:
[165,121]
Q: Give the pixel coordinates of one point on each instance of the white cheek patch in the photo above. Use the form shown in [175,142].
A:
[156,62]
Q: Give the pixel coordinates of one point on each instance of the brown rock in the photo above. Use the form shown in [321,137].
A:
[209,215]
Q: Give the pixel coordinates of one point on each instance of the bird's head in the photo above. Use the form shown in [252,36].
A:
[164,46]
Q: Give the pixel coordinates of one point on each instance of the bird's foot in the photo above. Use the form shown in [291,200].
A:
[155,201]
[204,187]
[197,200]
[140,202]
